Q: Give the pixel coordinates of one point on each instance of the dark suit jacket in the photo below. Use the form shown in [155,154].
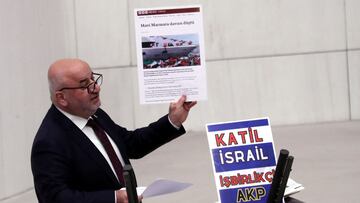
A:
[68,168]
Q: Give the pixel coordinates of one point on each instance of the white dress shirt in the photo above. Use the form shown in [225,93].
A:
[89,132]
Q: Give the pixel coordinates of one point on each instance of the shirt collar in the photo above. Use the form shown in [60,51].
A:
[77,120]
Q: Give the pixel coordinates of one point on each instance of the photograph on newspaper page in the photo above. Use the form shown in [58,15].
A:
[170,54]
[243,159]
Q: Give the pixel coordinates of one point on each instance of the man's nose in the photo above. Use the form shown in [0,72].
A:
[96,89]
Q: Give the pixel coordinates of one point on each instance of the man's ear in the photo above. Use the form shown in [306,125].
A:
[60,99]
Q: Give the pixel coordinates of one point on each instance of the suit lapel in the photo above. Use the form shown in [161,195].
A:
[86,145]
[89,148]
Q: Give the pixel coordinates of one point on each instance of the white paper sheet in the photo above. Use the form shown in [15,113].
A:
[161,187]
[292,187]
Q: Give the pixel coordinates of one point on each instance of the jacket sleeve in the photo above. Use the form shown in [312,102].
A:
[140,142]
[144,140]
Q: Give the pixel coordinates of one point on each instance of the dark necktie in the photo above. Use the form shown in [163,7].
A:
[100,133]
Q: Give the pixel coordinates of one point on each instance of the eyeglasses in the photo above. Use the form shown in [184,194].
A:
[97,80]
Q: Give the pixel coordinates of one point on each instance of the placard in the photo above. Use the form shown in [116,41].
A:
[243,158]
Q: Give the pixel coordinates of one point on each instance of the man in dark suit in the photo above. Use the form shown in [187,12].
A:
[70,163]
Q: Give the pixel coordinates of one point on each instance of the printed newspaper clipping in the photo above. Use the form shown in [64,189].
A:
[170,54]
